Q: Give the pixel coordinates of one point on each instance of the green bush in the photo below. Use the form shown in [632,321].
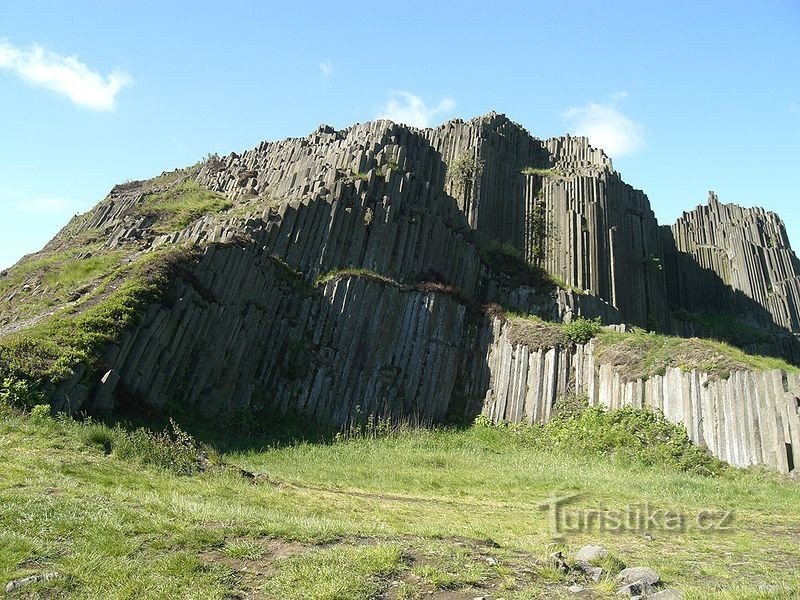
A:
[482,421]
[41,413]
[634,434]
[172,449]
[20,393]
[581,330]
[463,171]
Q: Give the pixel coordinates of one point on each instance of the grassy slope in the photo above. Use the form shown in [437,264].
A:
[47,350]
[405,515]
[640,354]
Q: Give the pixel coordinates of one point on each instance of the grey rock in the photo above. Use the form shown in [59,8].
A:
[557,562]
[243,336]
[638,574]
[18,584]
[595,573]
[637,589]
[104,398]
[590,553]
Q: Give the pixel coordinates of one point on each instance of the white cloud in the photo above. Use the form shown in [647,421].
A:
[45,205]
[326,68]
[64,74]
[406,108]
[606,127]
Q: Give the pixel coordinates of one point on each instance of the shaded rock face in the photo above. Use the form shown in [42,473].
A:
[379,208]
[736,261]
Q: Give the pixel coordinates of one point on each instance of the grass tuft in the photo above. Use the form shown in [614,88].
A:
[178,207]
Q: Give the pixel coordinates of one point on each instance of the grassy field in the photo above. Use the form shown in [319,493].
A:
[418,514]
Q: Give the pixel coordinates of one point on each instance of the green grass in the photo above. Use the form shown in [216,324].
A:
[48,350]
[178,207]
[55,278]
[560,282]
[343,571]
[72,273]
[413,512]
[353,272]
[640,354]
[536,333]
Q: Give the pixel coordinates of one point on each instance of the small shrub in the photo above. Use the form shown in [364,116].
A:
[41,413]
[369,217]
[482,421]
[353,272]
[552,173]
[20,393]
[172,449]
[581,330]
[571,406]
[463,171]
[358,176]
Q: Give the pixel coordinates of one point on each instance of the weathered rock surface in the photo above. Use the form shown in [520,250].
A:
[635,574]
[590,553]
[668,594]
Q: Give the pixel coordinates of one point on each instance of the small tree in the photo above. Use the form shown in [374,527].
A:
[581,330]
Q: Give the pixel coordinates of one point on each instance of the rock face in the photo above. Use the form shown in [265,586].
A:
[348,275]
[750,418]
[736,261]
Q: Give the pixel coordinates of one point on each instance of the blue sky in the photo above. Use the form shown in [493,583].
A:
[685,96]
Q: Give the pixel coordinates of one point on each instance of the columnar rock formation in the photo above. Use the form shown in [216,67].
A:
[749,418]
[737,261]
[349,271]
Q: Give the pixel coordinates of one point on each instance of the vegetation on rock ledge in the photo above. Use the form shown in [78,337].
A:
[50,349]
[178,207]
[640,355]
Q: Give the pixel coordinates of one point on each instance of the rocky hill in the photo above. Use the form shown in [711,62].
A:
[387,272]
